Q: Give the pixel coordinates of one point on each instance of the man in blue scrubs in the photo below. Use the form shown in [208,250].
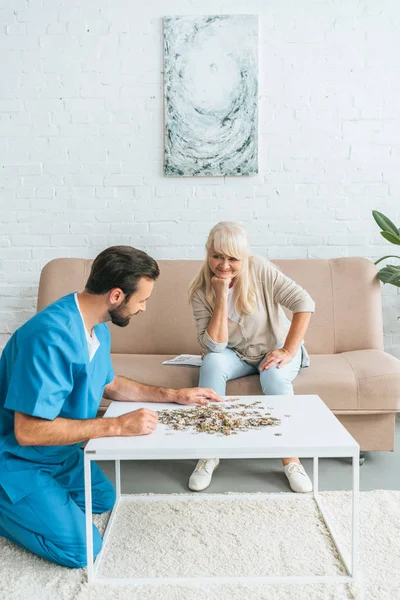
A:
[53,373]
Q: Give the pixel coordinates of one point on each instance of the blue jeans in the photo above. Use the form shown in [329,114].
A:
[219,367]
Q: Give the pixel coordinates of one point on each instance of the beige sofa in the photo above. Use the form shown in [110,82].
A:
[349,369]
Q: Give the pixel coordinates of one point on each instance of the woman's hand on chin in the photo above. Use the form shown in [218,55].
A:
[221,285]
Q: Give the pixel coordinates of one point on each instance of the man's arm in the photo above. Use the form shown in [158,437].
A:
[34,431]
[127,390]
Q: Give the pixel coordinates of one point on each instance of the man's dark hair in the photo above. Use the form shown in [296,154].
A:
[120,267]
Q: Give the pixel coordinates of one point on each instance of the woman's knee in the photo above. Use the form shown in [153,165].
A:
[213,358]
[216,362]
[275,383]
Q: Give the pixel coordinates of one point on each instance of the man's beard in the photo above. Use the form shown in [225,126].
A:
[118,318]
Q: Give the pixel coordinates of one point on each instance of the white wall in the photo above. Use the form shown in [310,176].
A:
[81,138]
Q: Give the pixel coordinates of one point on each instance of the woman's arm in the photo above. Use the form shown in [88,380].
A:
[218,326]
[204,315]
[283,356]
[287,292]
[298,328]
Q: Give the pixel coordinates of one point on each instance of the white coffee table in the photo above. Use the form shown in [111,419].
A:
[311,431]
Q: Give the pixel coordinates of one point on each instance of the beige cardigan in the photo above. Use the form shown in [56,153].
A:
[267,326]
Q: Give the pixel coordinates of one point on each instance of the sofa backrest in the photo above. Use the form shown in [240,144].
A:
[346,291]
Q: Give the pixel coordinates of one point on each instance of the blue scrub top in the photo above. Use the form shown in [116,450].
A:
[46,372]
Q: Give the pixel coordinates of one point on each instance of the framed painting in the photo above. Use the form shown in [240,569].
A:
[211,95]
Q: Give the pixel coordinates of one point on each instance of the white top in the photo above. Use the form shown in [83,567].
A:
[311,430]
[232,314]
[92,341]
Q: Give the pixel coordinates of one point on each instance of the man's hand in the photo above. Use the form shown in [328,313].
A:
[138,422]
[278,358]
[196,396]
[220,285]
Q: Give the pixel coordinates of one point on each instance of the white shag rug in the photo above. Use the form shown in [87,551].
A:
[194,536]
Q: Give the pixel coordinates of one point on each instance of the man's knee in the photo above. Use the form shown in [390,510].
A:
[75,556]
[81,556]
[104,498]
[108,498]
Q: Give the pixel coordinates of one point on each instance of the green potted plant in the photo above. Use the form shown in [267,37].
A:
[390,273]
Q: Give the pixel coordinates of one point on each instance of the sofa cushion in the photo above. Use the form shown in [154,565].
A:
[331,378]
[361,379]
[378,379]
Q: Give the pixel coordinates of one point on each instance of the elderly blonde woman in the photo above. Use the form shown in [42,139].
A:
[236,300]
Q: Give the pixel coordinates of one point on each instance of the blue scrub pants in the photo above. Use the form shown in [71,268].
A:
[50,520]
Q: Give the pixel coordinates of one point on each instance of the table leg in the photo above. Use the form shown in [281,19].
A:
[89,520]
[118,479]
[355,514]
[315,475]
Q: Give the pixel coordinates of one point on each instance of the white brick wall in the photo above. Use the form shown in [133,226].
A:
[81,138]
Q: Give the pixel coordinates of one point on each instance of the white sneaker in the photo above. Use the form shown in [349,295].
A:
[298,479]
[201,477]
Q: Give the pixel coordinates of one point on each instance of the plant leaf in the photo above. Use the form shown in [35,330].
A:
[391,237]
[384,223]
[383,258]
[393,278]
[396,283]
[391,268]
[390,274]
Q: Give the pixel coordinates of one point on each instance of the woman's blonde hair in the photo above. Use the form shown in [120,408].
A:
[230,239]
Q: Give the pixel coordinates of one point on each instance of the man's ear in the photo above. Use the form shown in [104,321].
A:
[115,297]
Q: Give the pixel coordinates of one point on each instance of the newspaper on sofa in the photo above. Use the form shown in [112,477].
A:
[190,360]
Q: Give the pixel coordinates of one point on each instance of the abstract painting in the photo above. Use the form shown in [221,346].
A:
[210,95]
